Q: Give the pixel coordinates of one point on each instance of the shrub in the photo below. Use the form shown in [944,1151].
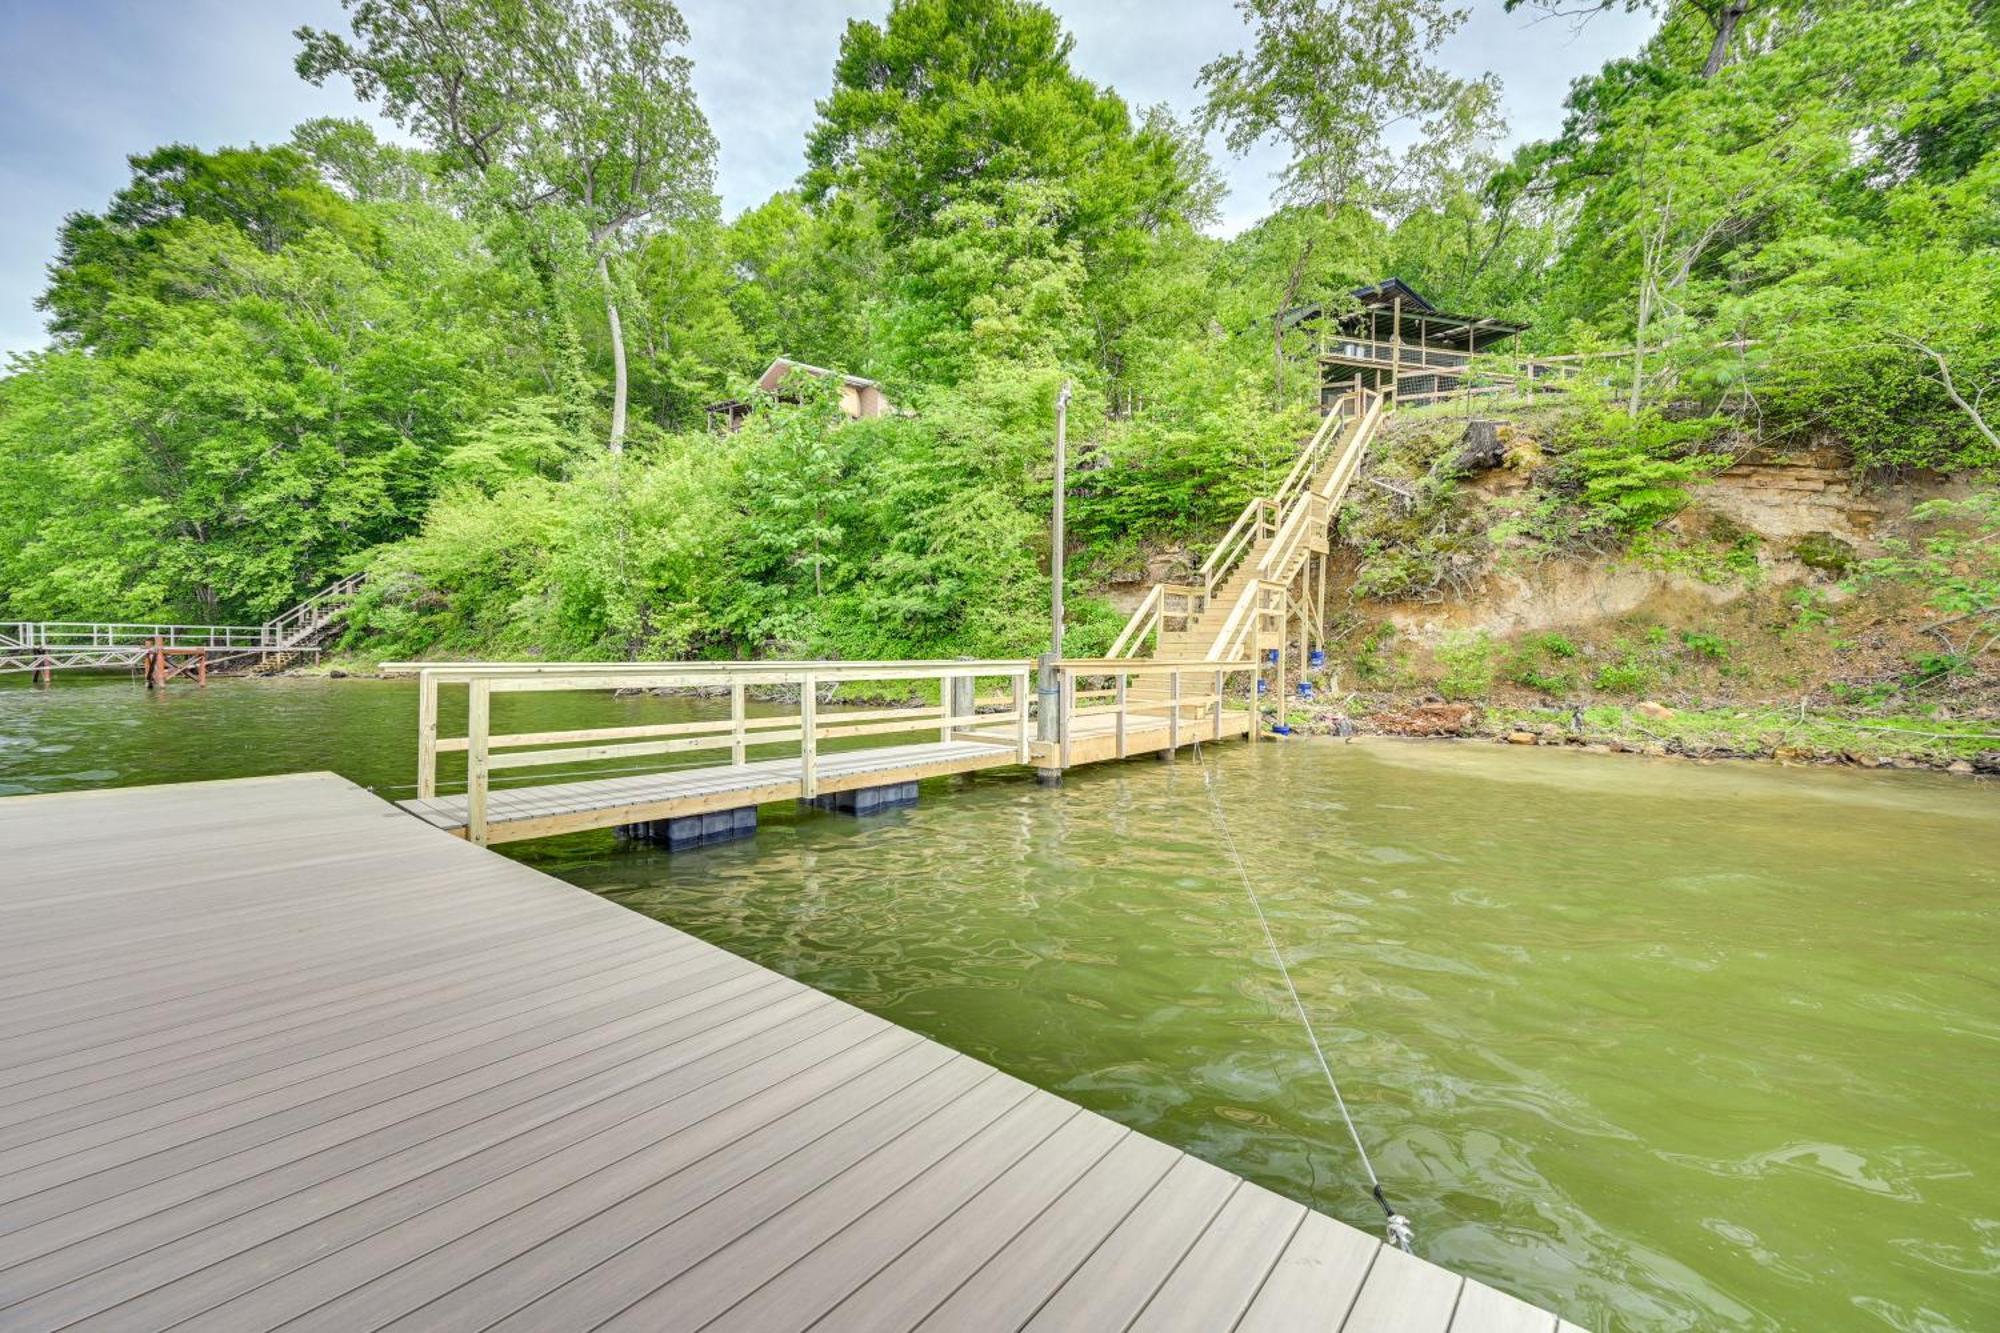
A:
[1376,661]
[1712,646]
[1535,677]
[1630,474]
[1628,675]
[1468,660]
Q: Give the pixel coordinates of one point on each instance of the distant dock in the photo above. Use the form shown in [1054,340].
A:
[274,1052]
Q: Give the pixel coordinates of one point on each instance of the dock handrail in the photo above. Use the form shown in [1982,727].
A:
[487,752]
[40,644]
[1174,704]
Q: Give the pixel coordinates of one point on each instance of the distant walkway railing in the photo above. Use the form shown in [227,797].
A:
[45,645]
[67,635]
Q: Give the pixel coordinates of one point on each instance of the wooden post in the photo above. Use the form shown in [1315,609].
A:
[1066,710]
[201,666]
[427,736]
[1396,351]
[478,726]
[1284,636]
[808,737]
[1252,734]
[1118,723]
[736,720]
[1215,703]
[1022,750]
[1174,713]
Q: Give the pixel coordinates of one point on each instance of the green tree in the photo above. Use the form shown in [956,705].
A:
[578,106]
[271,196]
[1331,78]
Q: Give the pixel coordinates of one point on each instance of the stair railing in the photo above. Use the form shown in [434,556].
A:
[1251,527]
[312,613]
[1144,620]
[1153,613]
[1289,519]
[1252,609]
[1308,461]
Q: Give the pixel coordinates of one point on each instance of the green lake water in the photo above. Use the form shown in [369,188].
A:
[1658,1045]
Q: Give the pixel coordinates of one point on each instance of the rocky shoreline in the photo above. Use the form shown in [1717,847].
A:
[1657,731]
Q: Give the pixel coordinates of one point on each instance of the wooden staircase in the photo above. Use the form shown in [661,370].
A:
[1263,584]
[300,631]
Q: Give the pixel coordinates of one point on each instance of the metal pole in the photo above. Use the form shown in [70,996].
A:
[1056,535]
[1048,689]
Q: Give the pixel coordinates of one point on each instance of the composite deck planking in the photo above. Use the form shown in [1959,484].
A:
[272,1052]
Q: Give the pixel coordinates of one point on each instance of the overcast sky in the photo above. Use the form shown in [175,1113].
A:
[83,83]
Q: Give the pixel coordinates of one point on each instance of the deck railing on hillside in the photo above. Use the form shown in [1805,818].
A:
[488,752]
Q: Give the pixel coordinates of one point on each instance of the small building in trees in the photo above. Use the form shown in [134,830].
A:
[1391,339]
[860,399]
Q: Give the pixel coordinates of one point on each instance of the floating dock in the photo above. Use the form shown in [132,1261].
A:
[273,1052]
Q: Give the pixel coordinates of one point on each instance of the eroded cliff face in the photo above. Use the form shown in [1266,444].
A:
[1802,520]
[1748,593]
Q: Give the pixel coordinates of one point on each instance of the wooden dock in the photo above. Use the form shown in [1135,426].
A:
[1171,705]
[272,1052]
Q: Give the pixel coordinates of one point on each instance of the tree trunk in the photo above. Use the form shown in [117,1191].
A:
[618,378]
[1725,28]
[1639,341]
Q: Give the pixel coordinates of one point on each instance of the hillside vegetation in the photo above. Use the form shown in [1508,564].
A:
[476,368]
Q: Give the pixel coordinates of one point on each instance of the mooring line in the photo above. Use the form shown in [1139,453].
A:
[1398,1227]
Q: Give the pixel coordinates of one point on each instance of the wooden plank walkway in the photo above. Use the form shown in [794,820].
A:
[272,1052]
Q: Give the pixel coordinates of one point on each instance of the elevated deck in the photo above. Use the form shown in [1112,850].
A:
[272,1052]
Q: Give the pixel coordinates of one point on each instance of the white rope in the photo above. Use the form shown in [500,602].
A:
[1398,1229]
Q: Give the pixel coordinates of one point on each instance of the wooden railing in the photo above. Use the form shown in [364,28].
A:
[488,752]
[314,612]
[62,635]
[1252,526]
[1192,698]
[1259,608]
[35,644]
[1384,352]
[1153,613]
[1289,519]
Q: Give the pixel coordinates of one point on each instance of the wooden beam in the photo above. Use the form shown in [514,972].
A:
[427,735]
[736,724]
[478,723]
[809,742]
